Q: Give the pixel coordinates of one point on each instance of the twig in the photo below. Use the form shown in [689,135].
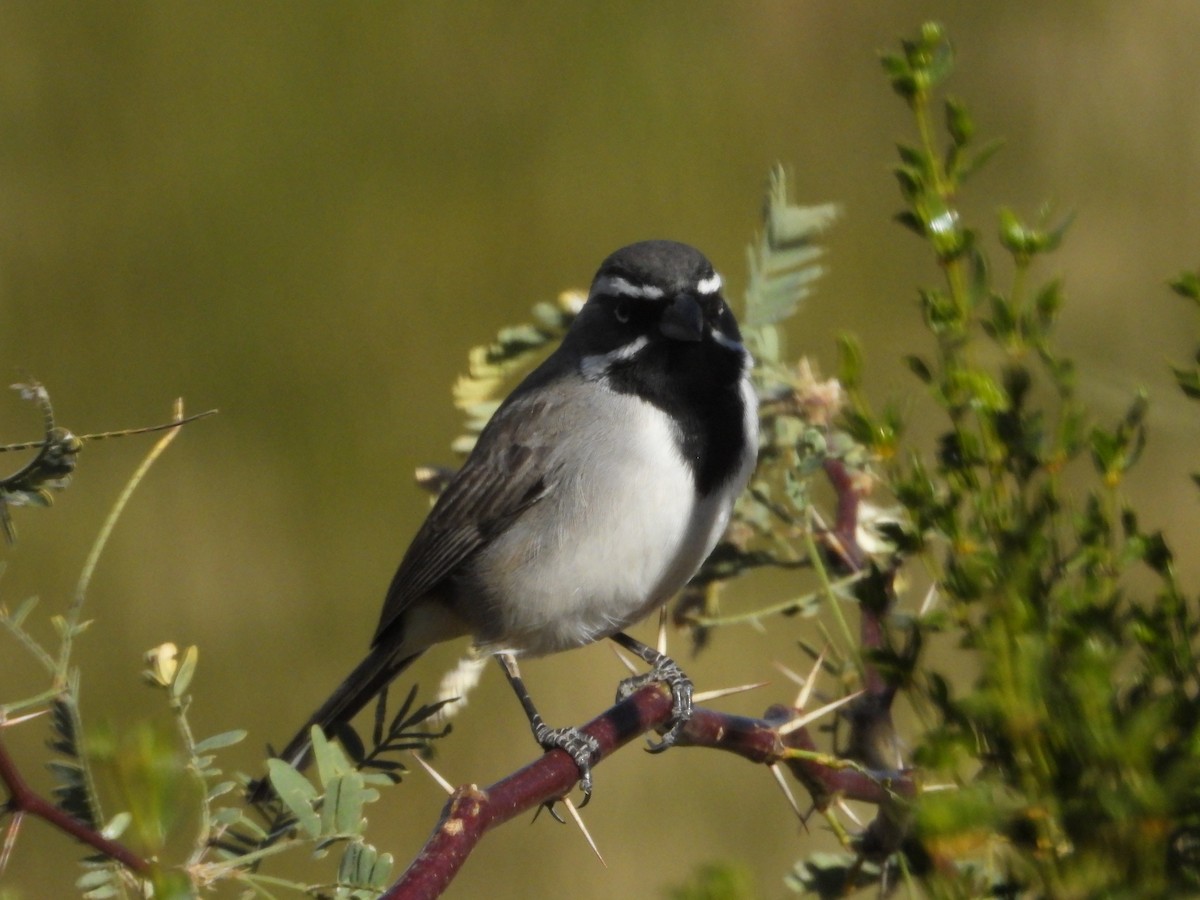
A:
[23,799]
[106,529]
[845,527]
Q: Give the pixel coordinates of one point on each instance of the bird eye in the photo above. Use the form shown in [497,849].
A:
[622,311]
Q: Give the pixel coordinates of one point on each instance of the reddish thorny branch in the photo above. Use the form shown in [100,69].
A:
[473,811]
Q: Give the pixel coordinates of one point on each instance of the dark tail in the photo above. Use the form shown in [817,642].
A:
[362,685]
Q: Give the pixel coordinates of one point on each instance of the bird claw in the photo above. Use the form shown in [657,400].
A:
[548,806]
[667,672]
[581,747]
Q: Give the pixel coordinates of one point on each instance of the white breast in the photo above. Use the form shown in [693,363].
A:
[629,533]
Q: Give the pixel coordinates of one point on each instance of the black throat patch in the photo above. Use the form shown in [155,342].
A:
[699,386]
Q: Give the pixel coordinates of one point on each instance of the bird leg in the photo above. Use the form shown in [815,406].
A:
[662,669]
[581,747]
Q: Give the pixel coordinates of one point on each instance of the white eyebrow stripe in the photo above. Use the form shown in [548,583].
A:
[623,287]
[597,365]
[709,285]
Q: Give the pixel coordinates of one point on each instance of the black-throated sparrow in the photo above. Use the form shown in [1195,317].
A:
[593,494]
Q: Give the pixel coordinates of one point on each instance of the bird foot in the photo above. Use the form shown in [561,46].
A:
[666,671]
[581,747]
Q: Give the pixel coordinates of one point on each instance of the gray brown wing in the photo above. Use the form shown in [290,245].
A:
[506,474]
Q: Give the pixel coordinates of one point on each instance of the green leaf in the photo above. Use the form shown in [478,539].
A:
[257,832]
[920,368]
[1025,241]
[1188,381]
[983,391]
[1050,239]
[850,361]
[904,82]
[783,261]
[226,816]
[220,790]
[958,122]
[914,157]
[23,609]
[187,668]
[940,312]
[363,866]
[1048,302]
[894,65]
[331,761]
[1187,285]
[1014,236]
[381,872]
[981,277]
[297,794]
[356,857]
[1157,554]
[342,810]
[1139,407]
[969,165]
[911,181]
[217,741]
[1004,320]
[911,221]
[386,772]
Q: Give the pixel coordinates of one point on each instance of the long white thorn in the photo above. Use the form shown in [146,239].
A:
[10,839]
[625,660]
[844,807]
[780,780]
[930,601]
[791,674]
[806,683]
[433,773]
[796,724]
[811,682]
[716,694]
[586,834]
[17,720]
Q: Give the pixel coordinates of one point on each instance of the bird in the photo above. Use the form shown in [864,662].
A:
[593,494]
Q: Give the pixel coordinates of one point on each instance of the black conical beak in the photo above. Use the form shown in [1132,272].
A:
[683,320]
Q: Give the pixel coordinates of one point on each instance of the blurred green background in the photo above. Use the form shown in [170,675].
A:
[304,214]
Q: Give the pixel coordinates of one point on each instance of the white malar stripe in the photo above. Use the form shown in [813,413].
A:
[622,287]
[730,344]
[598,364]
[709,285]
[750,410]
